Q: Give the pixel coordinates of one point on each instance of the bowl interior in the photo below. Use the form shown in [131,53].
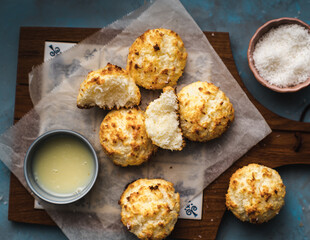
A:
[258,34]
[29,174]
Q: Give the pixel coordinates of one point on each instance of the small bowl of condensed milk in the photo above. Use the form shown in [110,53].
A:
[61,166]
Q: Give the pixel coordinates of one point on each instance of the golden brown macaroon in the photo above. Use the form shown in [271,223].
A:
[205,111]
[157,59]
[162,121]
[124,138]
[150,208]
[255,194]
[108,88]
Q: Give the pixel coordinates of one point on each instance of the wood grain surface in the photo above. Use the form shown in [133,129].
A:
[289,143]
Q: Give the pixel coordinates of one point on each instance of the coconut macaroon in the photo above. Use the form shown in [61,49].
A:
[255,194]
[124,138]
[162,121]
[150,208]
[205,111]
[108,88]
[157,59]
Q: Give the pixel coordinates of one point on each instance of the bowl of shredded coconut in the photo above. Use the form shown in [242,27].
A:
[279,54]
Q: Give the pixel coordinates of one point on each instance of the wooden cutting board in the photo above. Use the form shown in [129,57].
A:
[289,143]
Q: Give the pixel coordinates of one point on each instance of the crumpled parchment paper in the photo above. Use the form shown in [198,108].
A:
[54,87]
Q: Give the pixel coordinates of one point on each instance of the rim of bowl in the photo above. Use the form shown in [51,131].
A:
[61,200]
[257,35]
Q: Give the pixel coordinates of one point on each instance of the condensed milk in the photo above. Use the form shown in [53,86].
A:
[63,165]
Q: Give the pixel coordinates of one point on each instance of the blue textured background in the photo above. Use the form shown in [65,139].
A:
[239,18]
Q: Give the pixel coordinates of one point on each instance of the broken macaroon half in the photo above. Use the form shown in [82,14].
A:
[162,121]
[108,88]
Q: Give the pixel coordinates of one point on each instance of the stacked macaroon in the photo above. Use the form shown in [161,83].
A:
[129,136]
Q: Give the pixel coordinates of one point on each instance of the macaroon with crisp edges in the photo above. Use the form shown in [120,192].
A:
[124,138]
[157,59]
[150,208]
[255,194]
[205,111]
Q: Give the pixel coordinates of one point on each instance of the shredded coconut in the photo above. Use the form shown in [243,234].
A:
[282,55]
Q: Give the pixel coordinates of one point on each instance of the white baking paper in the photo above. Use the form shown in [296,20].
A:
[54,87]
